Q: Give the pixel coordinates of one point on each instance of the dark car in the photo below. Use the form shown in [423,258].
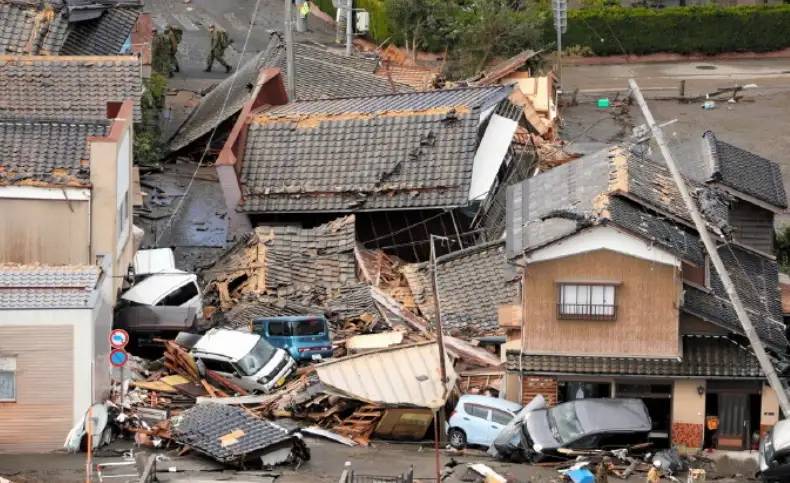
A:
[585,424]
[775,453]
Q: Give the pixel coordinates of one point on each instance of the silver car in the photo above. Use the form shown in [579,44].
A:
[775,453]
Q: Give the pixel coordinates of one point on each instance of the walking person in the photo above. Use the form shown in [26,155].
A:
[172,40]
[219,42]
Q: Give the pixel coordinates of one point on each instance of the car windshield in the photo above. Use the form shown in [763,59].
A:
[309,327]
[564,423]
[256,358]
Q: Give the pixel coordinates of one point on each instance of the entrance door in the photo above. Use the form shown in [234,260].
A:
[734,420]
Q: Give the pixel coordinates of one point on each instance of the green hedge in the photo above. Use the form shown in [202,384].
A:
[379,22]
[684,30]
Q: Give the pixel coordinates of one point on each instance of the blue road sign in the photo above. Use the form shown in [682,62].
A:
[118,357]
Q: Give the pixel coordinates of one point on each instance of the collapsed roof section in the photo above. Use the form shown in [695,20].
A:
[639,196]
[67,88]
[286,262]
[472,284]
[320,74]
[398,151]
[66,27]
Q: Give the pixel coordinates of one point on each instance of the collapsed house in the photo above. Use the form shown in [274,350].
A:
[618,299]
[320,74]
[67,27]
[405,164]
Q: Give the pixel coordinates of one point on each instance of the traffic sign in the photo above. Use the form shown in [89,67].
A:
[119,338]
[118,357]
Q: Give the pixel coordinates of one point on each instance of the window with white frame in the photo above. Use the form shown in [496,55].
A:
[587,301]
[7,379]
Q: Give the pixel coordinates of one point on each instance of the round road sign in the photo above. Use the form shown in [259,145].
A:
[119,338]
[118,357]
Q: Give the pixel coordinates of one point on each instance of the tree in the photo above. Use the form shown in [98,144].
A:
[423,24]
[782,245]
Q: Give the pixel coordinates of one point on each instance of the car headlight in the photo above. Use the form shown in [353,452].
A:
[537,447]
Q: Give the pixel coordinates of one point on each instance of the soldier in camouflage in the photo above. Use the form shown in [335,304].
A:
[172,37]
[219,42]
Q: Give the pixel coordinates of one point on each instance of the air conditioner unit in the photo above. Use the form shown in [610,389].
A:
[362,21]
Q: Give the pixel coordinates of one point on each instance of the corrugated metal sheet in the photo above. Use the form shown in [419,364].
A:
[374,341]
[406,376]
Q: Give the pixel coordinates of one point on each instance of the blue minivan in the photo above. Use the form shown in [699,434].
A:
[305,337]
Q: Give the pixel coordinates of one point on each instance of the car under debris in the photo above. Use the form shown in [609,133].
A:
[775,453]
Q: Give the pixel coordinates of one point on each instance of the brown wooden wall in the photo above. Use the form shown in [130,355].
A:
[647,307]
[41,417]
[753,226]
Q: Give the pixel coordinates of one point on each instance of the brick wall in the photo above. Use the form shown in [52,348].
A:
[534,385]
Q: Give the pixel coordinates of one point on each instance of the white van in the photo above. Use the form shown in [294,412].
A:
[175,289]
[155,260]
[250,356]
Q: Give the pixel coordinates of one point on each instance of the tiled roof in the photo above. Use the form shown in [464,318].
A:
[639,196]
[104,35]
[72,88]
[320,75]
[703,356]
[65,33]
[392,151]
[248,310]
[473,283]
[48,152]
[746,172]
[47,287]
[230,434]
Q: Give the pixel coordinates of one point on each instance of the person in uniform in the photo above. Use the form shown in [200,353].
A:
[219,42]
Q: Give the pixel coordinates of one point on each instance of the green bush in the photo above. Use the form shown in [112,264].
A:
[683,30]
[379,20]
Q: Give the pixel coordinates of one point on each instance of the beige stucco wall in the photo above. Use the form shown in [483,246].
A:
[687,405]
[44,231]
[107,155]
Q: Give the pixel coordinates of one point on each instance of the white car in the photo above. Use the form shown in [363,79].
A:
[248,356]
[175,288]
[477,420]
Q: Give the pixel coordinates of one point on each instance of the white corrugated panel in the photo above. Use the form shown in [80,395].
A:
[399,376]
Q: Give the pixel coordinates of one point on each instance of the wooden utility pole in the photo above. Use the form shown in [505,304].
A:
[289,51]
[349,26]
[710,247]
[439,421]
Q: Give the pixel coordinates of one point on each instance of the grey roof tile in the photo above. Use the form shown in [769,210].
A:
[45,287]
[104,35]
[17,22]
[746,172]
[320,75]
[707,357]
[383,152]
[72,88]
[472,283]
[51,152]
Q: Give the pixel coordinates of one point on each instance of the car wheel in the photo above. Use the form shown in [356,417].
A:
[457,438]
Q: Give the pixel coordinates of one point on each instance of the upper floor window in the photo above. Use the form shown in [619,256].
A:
[587,301]
[7,379]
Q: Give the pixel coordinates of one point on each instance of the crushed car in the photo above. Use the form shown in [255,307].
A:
[477,420]
[775,453]
[585,424]
[230,352]
[306,338]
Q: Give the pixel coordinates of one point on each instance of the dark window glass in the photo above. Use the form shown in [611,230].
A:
[500,417]
[279,329]
[219,366]
[476,411]
[180,296]
[309,327]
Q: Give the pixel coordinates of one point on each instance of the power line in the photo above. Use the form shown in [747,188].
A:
[213,131]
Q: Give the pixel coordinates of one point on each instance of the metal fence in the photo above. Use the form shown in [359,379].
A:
[350,476]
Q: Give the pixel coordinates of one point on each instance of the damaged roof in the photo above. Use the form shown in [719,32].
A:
[72,88]
[66,27]
[472,284]
[745,172]
[401,376]
[47,287]
[710,357]
[289,261]
[320,75]
[639,196]
[49,153]
[366,153]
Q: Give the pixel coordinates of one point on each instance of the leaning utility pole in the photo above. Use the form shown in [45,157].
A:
[439,422]
[349,26]
[710,247]
[289,51]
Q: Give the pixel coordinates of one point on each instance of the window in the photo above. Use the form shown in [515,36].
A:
[123,217]
[279,329]
[309,327]
[219,366]
[586,302]
[476,411]
[7,379]
[180,296]
[500,417]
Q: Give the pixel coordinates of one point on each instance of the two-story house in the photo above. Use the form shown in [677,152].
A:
[619,299]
